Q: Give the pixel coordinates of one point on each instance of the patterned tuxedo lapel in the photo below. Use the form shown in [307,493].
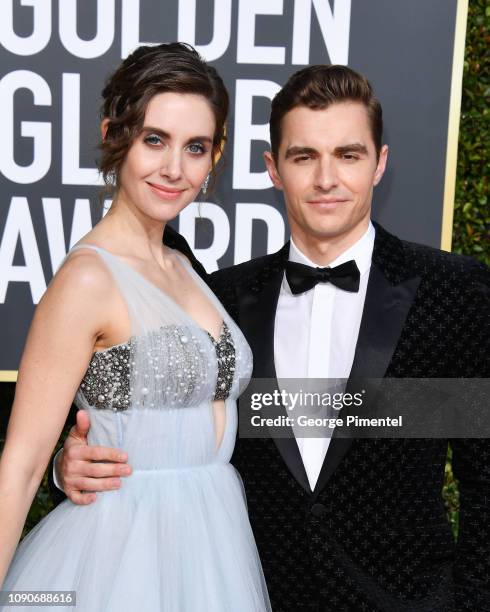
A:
[390,293]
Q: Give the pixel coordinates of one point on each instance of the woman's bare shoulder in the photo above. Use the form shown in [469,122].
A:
[82,280]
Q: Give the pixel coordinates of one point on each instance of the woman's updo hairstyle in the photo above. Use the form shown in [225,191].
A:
[150,70]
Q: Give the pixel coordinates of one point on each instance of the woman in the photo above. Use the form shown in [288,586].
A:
[131,329]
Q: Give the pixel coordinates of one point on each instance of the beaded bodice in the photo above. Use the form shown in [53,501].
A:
[169,361]
[225,354]
[106,383]
[174,360]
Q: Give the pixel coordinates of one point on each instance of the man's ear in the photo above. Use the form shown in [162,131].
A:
[381,167]
[272,170]
[104,126]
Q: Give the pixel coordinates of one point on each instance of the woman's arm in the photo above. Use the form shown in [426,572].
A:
[72,314]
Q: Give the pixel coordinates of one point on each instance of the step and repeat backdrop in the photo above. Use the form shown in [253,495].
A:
[56,54]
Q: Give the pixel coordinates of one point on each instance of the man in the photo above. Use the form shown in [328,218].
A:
[345,524]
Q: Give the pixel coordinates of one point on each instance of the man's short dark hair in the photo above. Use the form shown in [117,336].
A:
[320,86]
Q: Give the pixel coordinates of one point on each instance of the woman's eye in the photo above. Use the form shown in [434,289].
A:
[196,148]
[153,140]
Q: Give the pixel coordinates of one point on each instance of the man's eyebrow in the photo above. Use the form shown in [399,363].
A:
[148,129]
[293,151]
[355,147]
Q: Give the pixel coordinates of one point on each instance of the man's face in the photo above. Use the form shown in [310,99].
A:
[327,169]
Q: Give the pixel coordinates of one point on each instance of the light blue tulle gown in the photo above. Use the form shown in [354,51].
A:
[176,536]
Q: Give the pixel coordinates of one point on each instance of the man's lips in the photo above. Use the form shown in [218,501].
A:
[327,201]
[167,193]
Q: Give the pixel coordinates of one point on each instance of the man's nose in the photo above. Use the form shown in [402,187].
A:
[326,174]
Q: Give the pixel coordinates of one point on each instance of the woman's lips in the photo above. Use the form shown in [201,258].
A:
[166,193]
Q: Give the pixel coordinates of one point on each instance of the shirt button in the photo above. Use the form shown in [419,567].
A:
[318,510]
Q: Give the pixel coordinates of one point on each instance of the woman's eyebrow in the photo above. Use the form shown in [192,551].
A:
[163,134]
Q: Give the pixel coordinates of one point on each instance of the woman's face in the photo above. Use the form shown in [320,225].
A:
[168,161]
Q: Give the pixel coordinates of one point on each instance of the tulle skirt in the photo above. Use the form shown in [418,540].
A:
[170,540]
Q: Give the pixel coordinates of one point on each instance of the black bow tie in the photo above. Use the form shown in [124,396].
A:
[303,278]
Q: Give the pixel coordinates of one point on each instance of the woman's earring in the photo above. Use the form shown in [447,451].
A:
[205,185]
[111,178]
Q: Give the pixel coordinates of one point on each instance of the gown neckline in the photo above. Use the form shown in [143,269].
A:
[162,292]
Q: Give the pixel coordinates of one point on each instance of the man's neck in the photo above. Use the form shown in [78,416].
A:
[322,252]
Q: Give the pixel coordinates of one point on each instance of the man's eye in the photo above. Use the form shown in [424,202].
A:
[153,139]
[302,158]
[196,148]
[349,157]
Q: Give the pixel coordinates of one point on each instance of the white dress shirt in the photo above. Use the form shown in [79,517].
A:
[315,334]
[55,479]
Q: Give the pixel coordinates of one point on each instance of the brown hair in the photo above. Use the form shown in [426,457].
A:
[317,87]
[150,70]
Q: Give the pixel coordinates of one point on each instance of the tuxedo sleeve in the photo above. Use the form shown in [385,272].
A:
[175,240]
[471,468]
[57,495]
[223,284]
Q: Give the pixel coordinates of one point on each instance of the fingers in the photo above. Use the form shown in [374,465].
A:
[81,452]
[78,433]
[80,484]
[79,463]
[81,499]
[87,469]
[83,423]
[103,470]
[75,438]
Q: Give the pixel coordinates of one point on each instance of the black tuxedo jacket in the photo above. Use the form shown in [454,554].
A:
[373,535]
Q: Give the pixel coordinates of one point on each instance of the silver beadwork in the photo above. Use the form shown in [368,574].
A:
[225,353]
[105,385]
[174,363]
